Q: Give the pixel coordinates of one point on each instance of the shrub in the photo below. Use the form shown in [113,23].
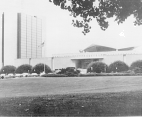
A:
[54,75]
[8,69]
[137,70]
[40,68]
[97,67]
[69,71]
[136,64]
[118,66]
[109,74]
[25,68]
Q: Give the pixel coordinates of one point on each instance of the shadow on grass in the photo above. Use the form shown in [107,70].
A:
[103,104]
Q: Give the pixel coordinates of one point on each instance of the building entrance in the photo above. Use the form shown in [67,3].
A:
[83,63]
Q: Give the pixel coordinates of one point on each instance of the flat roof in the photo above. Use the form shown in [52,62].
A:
[81,58]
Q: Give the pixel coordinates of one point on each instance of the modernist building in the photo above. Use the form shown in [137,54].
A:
[97,53]
[20,38]
[29,36]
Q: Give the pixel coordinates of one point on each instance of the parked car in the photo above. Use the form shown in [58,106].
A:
[25,74]
[57,71]
[18,75]
[42,73]
[69,71]
[33,74]
[10,75]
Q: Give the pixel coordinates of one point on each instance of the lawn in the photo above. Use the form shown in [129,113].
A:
[84,96]
[66,85]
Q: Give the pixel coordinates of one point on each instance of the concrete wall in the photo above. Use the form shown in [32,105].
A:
[127,58]
[33,62]
[63,62]
[10,37]
[0,40]
[108,58]
[131,58]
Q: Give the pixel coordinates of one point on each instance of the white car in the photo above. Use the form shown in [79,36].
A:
[18,75]
[25,74]
[10,75]
[33,74]
[57,71]
[42,73]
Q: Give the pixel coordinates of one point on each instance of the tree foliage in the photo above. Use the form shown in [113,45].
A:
[25,68]
[118,66]
[8,69]
[101,10]
[97,67]
[40,68]
[136,64]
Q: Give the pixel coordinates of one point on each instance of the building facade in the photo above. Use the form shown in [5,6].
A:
[97,53]
[81,60]
[21,37]
[29,36]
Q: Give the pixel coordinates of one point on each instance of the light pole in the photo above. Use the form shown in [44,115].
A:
[29,64]
[44,56]
[116,69]
[105,68]
[29,61]
[52,63]
[43,45]
[44,68]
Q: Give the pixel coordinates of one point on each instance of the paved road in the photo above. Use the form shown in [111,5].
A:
[43,86]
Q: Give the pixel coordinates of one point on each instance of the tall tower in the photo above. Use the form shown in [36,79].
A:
[29,36]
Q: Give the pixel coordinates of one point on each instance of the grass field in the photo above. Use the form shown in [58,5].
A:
[43,86]
[74,96]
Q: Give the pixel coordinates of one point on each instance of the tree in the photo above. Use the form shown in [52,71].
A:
[101,10]
[118,66]
[8,69]
[40,68]
[25,68]
[97,67]
[136,64]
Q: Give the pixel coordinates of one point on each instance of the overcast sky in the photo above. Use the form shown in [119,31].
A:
[62,37]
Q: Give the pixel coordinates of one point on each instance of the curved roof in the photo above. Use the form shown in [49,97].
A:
[138,49]
[126,49]
[98,48]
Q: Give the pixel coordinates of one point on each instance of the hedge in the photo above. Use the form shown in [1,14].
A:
[109,74]
[54,75]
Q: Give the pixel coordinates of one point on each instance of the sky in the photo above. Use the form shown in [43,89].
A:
[62,37]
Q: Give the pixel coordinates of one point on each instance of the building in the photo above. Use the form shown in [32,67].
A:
[97,53]
[21,37]
[29,36]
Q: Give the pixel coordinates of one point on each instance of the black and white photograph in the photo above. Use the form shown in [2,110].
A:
[70,58]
